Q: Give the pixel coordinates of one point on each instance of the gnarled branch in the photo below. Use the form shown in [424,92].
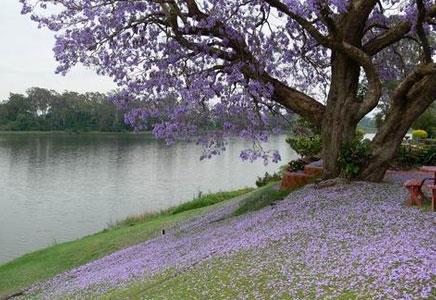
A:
[401,92]
[388,38]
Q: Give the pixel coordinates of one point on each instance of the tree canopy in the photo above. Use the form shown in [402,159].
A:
[241,61]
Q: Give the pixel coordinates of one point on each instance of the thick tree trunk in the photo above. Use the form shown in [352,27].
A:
[386,144]
[405,109]
[384,148]
[333,134]
[410,100]
[339,121]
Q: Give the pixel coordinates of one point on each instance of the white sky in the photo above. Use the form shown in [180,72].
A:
[26,58]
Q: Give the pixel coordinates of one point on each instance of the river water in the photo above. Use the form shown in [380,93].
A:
[59,187]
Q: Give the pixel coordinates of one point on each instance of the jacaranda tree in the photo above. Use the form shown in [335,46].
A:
[239,62]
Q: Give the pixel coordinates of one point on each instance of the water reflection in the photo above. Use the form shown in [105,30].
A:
[55,188]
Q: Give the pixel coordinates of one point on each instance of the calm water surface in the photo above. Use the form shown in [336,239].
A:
[56,188]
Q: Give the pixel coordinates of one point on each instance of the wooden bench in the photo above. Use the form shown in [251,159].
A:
[433,196]
[432,187]
[414,187]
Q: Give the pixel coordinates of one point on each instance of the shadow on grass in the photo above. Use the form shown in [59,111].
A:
[199,202]
[262,197]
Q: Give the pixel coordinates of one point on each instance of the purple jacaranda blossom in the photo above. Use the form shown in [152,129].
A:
[357,237]
[220,65]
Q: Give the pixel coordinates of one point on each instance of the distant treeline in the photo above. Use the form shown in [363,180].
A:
[41,109]
[368,123]
[46,110]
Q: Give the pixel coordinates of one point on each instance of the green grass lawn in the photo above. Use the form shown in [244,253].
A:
[260,198]
[48,262]
[226,277]
[317,244]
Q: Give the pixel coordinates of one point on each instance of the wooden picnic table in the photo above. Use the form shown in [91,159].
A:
[429,169]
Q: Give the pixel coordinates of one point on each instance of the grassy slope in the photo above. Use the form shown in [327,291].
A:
[231,276]
[218,274]
[48,262]
[219,278]
[260,198]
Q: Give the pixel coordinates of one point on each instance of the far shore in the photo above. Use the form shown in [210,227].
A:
[126,132]
[65,132]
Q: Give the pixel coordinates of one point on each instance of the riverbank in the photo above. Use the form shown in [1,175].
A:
[58,188]
[348,241]
[45,263]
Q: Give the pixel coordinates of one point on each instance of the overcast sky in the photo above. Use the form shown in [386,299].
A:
[26,58]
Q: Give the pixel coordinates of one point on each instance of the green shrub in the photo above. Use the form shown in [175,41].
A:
[296,165]
[428,156]
[305,146]
[360,133]
[419,134]
[413,154]
[427,121]
[267,178]
[309,146]
[354,155]
[432,132]
[303,127]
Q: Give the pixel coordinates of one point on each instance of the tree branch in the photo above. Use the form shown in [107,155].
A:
[318,36]
[356,18]
[421,33]
[194,11]
[298,102]
[374,84]
[386,39]
[401,92]
[290,98]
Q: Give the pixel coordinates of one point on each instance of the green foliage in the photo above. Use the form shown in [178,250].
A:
[306,139]
[354,155]
[427,121]
[360,133]
[415,154]
[260,198]
[267,178]
[305,146]
[419,134]
[46,110]
[296,165]
[303,127]
[309,144]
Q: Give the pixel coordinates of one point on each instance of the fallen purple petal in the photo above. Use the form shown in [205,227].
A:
[358,237]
